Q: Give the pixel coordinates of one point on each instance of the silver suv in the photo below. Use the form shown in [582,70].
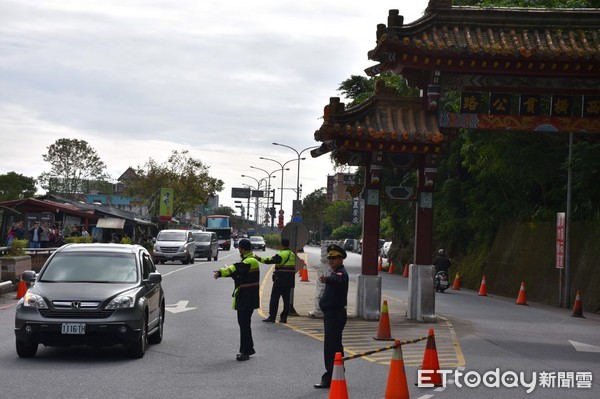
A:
[174,245]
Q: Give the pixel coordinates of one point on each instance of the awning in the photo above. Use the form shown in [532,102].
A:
[111,223]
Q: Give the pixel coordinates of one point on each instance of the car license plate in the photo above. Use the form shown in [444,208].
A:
[73,328]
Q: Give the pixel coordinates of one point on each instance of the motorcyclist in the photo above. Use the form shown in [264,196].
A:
[442,262]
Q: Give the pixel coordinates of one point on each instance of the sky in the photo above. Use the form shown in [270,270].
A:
[223,80]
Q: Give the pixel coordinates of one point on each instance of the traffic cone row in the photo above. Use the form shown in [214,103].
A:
[21,289]
[384,332]
[522,298]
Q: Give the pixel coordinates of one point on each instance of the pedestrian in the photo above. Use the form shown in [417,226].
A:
[246,276]
[45,236]
[442,262]
[333,305]
[35,234]
[283,280]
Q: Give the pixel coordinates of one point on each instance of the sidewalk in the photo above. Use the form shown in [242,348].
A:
[359,333]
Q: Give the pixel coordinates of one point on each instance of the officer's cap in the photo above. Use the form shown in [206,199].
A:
[245,244]
[336,250]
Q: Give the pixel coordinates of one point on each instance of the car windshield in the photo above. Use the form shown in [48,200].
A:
[91,267]
[171,236]
[256,239]
[201,237]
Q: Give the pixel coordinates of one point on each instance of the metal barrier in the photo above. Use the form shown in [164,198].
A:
[412,341]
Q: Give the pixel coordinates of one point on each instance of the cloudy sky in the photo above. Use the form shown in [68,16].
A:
[223,79]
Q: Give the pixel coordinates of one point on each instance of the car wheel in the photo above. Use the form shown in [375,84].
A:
[186,260]
[156,337]
[264,248]
[208,258]
[25,349]
[138,348]
[192,259]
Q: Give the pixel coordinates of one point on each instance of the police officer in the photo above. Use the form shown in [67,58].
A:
[246,276]
[283,280]
[333,305]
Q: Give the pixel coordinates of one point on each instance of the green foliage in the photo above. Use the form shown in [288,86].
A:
[75,168]
[273,240]
[223,210]
[17,247]
[338,212]
[360,88]
[14,186]
[188,177]
[347,231]
[529,3]
[78,240]
[313,208]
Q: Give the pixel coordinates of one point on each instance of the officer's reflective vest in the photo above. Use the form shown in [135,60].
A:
[246,276]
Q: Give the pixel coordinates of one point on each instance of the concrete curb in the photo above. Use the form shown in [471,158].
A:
[6,287]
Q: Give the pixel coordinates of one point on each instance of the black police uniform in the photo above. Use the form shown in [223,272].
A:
[333,305]
[283,281]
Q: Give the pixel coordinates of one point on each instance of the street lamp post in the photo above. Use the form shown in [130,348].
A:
[299,153]
[268,189]
[258,184]
[282,169]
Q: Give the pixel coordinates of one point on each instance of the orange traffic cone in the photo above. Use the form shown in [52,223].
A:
[380,264]
[405,273]
[522,298]
[397,387]
[431,361]
[21,289]
[304,274]
[338,388]
[384,332]
[577,310]
[483,287]
[456,284]
[391,268]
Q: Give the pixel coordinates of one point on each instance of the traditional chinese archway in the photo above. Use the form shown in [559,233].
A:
[516,69]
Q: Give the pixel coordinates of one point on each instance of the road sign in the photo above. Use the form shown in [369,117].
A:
[240,192]
[297,219]
[297,234]
[399,192]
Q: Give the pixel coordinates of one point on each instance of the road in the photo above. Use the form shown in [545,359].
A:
[197,356]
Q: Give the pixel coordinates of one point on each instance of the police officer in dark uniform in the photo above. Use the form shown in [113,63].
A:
[283,280]
[333,305]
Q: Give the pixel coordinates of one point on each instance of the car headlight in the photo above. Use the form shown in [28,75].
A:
[35,301]
[121,302]
[156,248]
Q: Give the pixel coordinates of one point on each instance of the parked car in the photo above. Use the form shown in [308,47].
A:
[92,294]
[385,248]
[174,245]
[258,242]
[207,244]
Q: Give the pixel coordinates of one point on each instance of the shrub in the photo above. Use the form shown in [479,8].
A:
[17,247]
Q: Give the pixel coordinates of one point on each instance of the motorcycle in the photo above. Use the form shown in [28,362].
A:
[441,281]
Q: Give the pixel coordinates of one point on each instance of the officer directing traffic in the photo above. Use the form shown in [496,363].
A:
[333,305]
[283,280]
[246,276]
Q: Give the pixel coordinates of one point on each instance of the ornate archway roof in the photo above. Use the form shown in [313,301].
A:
[385,122]
[557,42]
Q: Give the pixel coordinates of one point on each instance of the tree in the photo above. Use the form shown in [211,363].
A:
[223,210]
[76,167]
[188,177]
[14,186]
[313,206]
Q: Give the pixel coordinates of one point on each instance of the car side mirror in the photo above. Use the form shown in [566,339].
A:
[28,276]
[154,278]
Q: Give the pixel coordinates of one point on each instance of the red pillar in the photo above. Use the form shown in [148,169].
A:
[370,233]
[423,248]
